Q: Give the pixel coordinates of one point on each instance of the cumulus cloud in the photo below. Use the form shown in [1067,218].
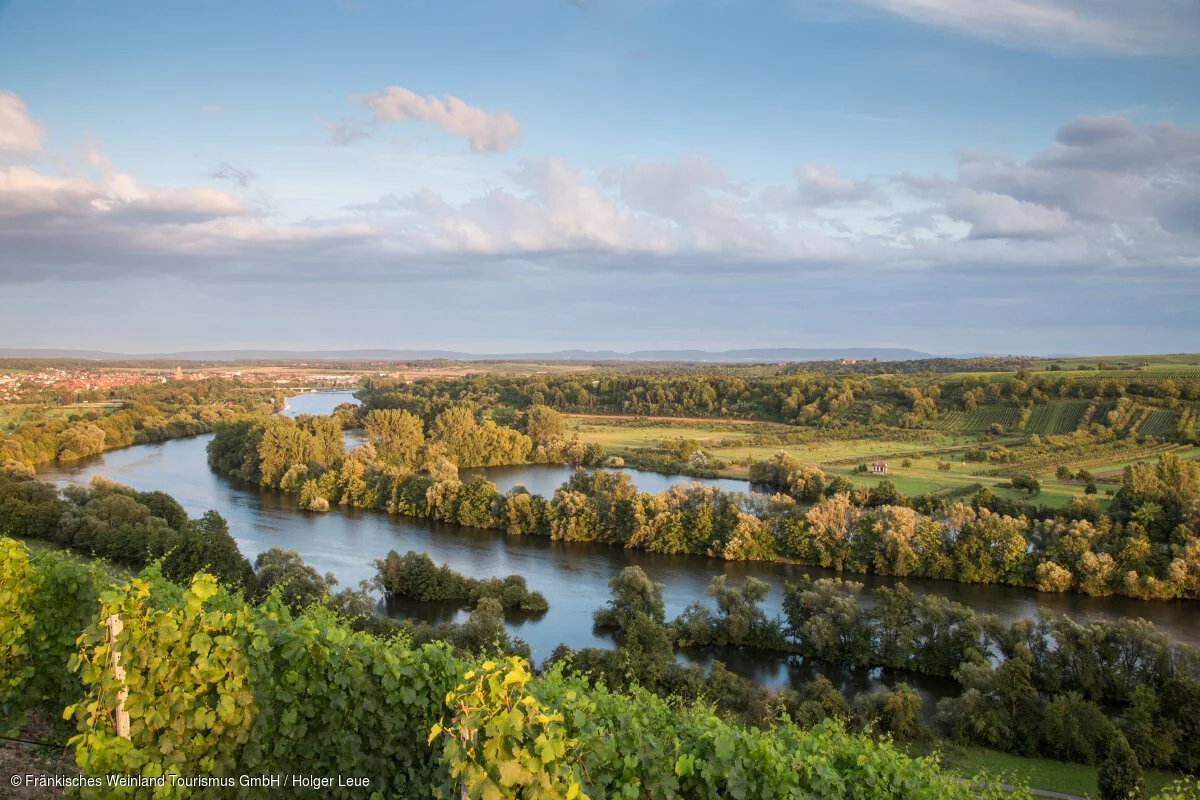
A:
[551,208]
[1000,216]
[1102,194]
[1115,193]
[1102,170]
[18,132]
[1133,27]
[820,186]
[701,203]
[486,131]
[85,218]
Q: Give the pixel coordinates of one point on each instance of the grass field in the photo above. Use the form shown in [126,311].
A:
[741,443]
[835,456]
[1041,773]
[924,476]
[610,434]
[11,415]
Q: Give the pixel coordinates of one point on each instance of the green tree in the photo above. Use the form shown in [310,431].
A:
[397,435]
[1120,775]
[79,441]
[1075,729]
[300,585]
[633,594]
[543,425]
[895,711]
[205,544]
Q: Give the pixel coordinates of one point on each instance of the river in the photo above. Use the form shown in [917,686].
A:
[573,576]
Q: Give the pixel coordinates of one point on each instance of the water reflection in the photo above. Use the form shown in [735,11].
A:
[543,479]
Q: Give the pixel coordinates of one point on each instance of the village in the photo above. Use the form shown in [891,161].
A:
[20,384]
[25,384]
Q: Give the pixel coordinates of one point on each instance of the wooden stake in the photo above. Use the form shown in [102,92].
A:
[122,716]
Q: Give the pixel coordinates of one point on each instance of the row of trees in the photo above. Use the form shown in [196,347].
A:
[870,531]
[151,413]
[802,398]
[414,576]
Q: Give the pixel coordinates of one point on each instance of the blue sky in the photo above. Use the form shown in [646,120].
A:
[948,175]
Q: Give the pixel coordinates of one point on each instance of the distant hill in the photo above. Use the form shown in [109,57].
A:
[749,355]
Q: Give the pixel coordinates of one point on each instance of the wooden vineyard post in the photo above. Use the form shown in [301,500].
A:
[122,716]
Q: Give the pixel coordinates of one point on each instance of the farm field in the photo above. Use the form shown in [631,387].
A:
[733,444]
[611,434]
[721,439]
[1153,367]
[12,414]
[846,451]
[1112,472]
[923,476]
[1039,464]
[1056,418]
[1160,422]
[1150,362]
[980,419]
[839,457]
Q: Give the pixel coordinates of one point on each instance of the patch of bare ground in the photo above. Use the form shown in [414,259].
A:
[21,758]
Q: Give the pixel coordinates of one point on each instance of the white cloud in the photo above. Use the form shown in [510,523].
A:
[486,131]
[18,132]
[999,216]
[1134,27]
[820,185]
[702,205]
[1103,194]
[1104,191]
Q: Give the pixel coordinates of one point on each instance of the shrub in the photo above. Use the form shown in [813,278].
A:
[1120,774]
[1075,729]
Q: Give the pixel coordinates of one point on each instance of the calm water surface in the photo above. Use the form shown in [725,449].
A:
[574,576]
